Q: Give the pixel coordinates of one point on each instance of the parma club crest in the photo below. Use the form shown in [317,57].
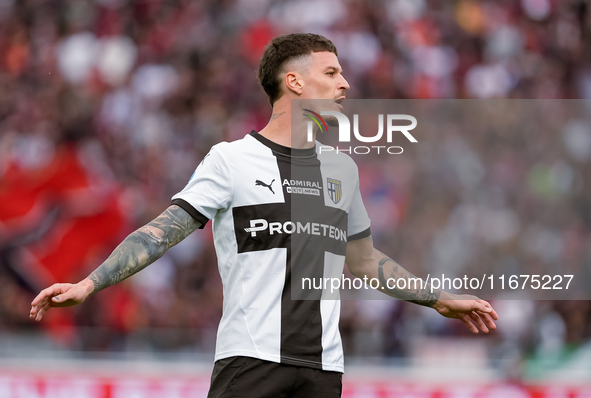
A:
[334,190]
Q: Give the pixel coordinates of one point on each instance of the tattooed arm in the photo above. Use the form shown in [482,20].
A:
[363,260]
[416,292]
[366,262]
[144,246]
[140,249]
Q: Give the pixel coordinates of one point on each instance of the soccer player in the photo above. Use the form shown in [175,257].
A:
[275,222]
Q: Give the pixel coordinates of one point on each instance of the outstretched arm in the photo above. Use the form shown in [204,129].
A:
[140,249]
[364,260]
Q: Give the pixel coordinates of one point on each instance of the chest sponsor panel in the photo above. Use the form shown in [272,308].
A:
[271,225]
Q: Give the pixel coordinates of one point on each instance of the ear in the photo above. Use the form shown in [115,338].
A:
[294,82]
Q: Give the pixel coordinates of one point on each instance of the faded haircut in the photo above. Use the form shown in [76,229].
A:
[282,50]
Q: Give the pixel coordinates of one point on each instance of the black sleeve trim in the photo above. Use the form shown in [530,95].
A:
[186,206]
[360,235]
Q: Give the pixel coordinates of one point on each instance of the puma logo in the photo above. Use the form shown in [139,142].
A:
[262,184]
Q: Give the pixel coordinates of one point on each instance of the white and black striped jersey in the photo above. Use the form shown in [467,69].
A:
[279,215]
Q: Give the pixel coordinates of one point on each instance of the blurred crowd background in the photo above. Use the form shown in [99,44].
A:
[107,106]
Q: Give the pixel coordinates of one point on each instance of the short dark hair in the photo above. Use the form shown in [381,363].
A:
[283,49]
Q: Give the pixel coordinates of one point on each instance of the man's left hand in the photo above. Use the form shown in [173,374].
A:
[476,314]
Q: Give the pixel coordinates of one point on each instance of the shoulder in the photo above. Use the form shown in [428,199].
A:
[234,148]
[223,151]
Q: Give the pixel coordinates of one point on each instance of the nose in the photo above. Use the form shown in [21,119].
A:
[343,84]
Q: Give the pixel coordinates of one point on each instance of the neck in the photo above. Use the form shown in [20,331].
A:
[279,128]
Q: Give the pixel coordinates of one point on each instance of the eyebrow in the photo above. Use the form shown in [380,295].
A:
[335,68]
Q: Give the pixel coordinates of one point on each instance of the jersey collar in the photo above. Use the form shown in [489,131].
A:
[284,150]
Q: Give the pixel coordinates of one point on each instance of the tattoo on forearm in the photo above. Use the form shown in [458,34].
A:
[416,291]
[144,246]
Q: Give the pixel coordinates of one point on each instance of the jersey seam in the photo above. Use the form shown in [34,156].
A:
[311,156]
[244,312]
[302,360]
[231,193]
[332,366]
[252,340]
[359,235]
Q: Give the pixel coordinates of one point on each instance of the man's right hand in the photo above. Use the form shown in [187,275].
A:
[60,295]
[140,249]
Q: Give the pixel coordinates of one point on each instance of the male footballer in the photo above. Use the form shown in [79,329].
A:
[274,223]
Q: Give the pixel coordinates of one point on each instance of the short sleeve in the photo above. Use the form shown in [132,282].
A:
[209,189]
[359,222]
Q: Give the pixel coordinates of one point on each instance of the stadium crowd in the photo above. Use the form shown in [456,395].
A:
[107,106]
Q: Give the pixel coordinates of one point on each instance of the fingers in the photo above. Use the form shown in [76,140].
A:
[38,310]
[477,321]
[489,315]
[61,300]
[36,307]
[488,320]
[47,299]
[51,291]
[483,322]
[481,306]
[466,319]
[48,292]
[41,312]
[474,322]
[493,314]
